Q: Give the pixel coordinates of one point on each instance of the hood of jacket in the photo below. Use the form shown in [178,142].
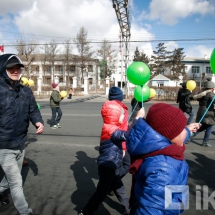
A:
[110,112]
[143,139]
[3,73]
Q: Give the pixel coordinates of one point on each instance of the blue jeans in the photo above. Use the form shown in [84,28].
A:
[56,111]
[208,129]
[191,115]
[11,163]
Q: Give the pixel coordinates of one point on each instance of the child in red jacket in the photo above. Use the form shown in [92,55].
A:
[111,153]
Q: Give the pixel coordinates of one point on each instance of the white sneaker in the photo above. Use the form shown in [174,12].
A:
[58,125]
[54,127]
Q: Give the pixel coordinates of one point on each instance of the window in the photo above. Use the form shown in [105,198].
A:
[49,68]
[119,84]
[72,68]
[90,81]
[160,83]
[195,69]
[90,68]
[208,69]
[60,79]
[48,80]
[60,68]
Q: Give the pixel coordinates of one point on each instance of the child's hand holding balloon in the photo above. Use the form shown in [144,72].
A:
[141,113]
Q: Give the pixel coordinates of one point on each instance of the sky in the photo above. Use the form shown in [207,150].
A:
[188,24]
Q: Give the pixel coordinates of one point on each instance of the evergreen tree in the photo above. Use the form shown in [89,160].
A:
[142,57]
[160,59]
[176,65]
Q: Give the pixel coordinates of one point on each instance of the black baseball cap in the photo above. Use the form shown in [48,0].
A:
[13,61]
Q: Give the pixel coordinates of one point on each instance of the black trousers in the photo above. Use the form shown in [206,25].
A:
[107,179]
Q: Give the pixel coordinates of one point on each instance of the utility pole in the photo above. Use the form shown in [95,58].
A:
[123,16]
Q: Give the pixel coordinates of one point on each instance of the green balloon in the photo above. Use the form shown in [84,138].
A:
[138,73]
[142,93]
[38,106]
[212,61]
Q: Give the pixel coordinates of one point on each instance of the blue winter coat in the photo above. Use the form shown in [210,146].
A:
[155,172]
[17,108]
[111,150]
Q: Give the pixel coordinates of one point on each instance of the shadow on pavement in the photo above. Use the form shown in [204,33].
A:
[25,169]
[85,172]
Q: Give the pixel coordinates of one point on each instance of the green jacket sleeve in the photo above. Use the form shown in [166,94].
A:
[56,96]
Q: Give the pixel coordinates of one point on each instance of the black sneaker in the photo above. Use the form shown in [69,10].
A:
[4,199]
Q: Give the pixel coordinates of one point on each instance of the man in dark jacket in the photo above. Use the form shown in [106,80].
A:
[183,99]
[17,107]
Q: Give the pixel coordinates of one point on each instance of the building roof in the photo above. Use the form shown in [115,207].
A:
[160,78]
[195,60]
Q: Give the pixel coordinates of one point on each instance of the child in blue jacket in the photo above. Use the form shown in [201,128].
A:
[110,156]
[156,145]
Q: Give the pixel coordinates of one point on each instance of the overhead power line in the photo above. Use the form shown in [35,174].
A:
[118,41]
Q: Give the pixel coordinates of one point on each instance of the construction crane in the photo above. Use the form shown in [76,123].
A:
[123,16]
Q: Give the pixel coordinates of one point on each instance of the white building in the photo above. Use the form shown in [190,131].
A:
[197,69]
[65,75]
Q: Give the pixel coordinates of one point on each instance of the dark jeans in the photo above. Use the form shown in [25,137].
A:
[107,178]
[191,115]
[70,96]
[208,129]
[56,111]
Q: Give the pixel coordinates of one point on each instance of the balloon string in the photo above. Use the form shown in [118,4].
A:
[142,95]
[207,110]
[132,111]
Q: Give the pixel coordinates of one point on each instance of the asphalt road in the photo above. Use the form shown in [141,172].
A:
[62,171]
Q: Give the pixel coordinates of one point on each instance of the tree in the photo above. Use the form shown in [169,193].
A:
[176,65]
[67,57]
[160,59]
[107,55]
[84,50]
[142,57]
[44,57]
[51,50]
[26,51]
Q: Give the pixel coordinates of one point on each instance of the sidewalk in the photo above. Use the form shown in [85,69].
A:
[75,98]
[83,98]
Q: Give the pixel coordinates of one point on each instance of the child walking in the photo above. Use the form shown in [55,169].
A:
[110,158]
[55,100]
[156,145]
